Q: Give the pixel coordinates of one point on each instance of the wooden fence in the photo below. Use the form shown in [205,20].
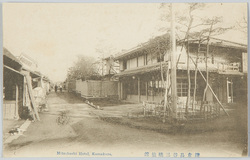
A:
[71,86]
[199,112]
[95,88]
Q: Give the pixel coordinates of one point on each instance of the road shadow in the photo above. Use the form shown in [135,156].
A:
[69,97]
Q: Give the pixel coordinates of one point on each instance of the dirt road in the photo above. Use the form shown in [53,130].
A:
[87,135]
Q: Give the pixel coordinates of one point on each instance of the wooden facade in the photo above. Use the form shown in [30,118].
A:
[140,77]
[18,87]
[12,86]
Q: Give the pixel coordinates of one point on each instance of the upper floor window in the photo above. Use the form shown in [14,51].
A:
[141,60]
[124,65]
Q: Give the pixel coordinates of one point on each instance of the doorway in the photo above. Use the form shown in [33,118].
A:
[229,91]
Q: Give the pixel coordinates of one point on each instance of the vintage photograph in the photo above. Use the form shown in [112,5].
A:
[164,80]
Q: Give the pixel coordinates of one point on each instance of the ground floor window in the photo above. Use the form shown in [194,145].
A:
[143,87]
[151,88]
[182,88]
[132,87]
[157,87]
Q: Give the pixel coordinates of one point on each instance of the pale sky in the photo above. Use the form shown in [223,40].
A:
[55,33]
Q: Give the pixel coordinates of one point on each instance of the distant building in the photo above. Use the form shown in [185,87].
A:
[107,67]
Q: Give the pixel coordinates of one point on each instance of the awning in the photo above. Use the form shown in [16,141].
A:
[13,70]
[141,70]
[201,66]
[7,53]
[156,67]
[33,74]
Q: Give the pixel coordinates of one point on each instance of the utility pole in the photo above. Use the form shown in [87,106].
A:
[173,63]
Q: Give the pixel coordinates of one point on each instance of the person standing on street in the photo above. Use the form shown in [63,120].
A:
[55,88]
[60,88]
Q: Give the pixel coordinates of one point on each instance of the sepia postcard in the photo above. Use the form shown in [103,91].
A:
[165,80]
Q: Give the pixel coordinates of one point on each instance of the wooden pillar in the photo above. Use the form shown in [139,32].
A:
[232,97]
[153,92]
[139,90]
[227,91]
[161,88]
[31,96]
[121,90]
[147,90]
[16,108]
[24,91]
[137,63]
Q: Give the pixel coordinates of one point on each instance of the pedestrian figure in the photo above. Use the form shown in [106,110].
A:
[55,88]
[60,88]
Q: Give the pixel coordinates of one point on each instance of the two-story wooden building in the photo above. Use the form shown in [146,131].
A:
[141,70]
[17,93]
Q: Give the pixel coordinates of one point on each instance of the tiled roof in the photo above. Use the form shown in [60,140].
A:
[213,41]
[11,56]
[141,70]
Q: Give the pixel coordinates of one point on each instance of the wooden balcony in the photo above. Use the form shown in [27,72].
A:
[220,66]
[229,67]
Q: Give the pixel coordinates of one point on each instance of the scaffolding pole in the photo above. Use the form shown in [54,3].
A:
[210,88]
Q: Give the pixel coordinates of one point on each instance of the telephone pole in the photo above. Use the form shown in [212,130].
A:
[173,63]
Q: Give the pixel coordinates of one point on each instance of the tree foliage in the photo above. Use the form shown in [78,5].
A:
[84,68]
[200,23]
[242,24]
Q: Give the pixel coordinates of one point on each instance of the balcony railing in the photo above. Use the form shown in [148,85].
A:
[221,66]
[229,67]
[216,64]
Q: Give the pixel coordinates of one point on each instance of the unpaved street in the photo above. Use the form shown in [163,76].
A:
[87,133]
